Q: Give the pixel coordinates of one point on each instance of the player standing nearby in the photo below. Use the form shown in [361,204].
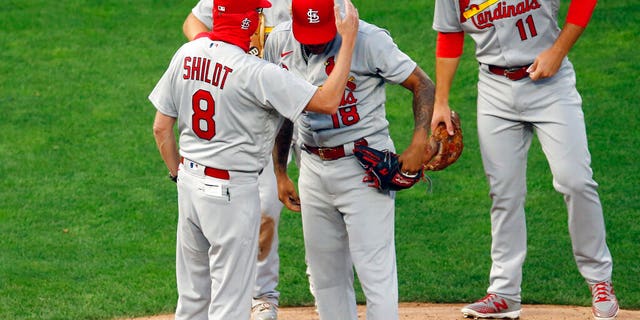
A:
[526,85]
[265,295]
[345,222]
[228,105]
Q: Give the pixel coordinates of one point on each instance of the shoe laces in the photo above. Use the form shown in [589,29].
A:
[489,297]
[602,292]
[263,307]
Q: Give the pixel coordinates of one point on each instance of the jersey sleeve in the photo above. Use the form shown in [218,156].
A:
[446,17]
[162,96]
[203,10]
[580,12]
[283,91]
[449,44]
[394,65]
[269,50]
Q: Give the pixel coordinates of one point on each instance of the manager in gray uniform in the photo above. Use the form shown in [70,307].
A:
[265,293]
[526,85]
[345,222]
[227,106]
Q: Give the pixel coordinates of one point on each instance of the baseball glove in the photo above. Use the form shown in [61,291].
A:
[445,149]
[383,170]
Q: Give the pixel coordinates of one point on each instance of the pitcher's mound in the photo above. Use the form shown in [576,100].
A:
[428,311]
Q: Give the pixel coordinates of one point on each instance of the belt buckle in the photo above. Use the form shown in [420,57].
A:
[321,153]
[513,73]
[508,72]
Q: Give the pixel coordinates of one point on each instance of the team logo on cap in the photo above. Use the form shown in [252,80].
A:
[312,16]
[222,8]
[245,24]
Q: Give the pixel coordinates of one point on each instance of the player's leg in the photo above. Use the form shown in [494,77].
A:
[192,257]
[504,144]
[265,295]
[369,217]
[233,235]
[294,154]
[504,154]
[564,141]
[326,243]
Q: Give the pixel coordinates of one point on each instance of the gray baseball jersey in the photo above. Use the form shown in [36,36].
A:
[377,60]
[228,104]
[506,33]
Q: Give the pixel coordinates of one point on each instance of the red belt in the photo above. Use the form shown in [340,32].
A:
[512,73]
[332,153]
[211,172]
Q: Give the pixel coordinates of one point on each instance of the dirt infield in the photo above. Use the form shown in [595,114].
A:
[426,311]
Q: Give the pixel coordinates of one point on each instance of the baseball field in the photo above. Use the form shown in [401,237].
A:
[87,214]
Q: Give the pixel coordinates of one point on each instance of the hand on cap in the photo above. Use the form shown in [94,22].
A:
[348,25]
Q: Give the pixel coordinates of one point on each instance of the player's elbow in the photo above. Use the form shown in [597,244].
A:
[321,102]
[159,131]
[327,108]
[186,29]
[191,27]
[163,125]
[330,108]
[419,82]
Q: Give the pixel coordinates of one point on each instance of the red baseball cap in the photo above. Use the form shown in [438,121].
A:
[239,6]
[313,21]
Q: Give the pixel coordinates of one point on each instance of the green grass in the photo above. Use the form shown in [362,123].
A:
[87,216]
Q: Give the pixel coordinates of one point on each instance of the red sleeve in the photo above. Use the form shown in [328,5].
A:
[580,12]
[449,44]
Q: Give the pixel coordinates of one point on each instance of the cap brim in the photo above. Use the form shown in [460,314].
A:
[264,4]
[315,35]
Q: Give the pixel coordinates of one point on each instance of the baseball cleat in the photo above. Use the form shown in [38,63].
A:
[264,311]
[604,301]
[492,306]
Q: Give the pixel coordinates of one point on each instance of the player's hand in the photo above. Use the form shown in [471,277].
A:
[546,64]
[287,194]
[442,113]
[413,158]
[347,25]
